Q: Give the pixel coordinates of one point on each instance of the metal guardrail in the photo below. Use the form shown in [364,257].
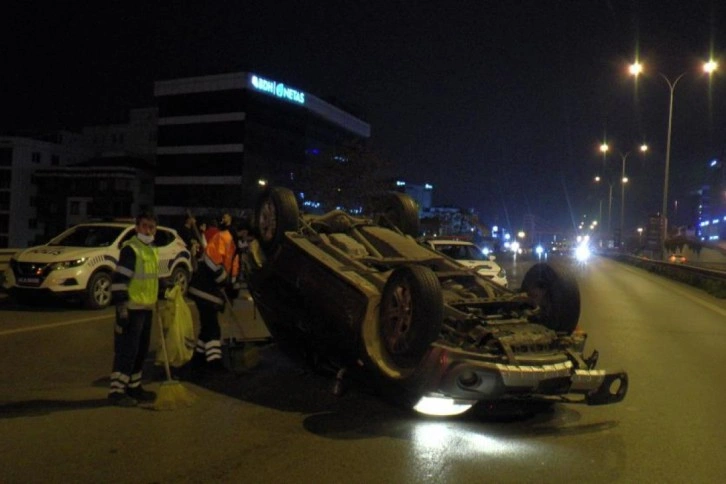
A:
[711,270]
[705,277]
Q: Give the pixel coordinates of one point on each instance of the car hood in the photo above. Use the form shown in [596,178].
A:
[56,253]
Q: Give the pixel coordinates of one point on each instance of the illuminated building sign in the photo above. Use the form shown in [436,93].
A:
[277,89]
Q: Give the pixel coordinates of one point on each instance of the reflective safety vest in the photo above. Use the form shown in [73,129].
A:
[221,250]
[144,285]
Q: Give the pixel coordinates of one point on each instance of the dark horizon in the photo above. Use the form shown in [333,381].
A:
[501,107]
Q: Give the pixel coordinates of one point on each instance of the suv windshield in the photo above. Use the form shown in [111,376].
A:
[88,236]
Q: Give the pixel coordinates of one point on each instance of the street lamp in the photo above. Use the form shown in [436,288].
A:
[604,148]
[637,68]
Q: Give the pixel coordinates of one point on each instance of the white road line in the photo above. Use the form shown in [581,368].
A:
[55,325]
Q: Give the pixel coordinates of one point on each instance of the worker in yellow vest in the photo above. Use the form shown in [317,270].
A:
[135,289]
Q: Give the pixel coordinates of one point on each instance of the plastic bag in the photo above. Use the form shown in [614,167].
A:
[176,317]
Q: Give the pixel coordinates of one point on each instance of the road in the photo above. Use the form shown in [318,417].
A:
[279,423]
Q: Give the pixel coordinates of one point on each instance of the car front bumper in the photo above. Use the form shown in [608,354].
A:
[462,376]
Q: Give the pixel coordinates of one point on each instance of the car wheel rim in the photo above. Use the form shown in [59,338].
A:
[180,280]
[397,320]
[267,221]
[102,292]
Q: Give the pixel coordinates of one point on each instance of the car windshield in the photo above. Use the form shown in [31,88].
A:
[461,252]
[88,236]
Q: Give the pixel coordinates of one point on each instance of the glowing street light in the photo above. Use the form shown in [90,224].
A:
[604,148]
[637,68]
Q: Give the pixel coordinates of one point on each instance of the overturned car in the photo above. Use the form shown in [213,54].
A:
[360,294]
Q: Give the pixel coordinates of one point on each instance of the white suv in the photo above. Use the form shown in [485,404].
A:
[469,255]
[79,262]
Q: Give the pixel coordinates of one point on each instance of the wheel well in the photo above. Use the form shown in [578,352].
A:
[103,269]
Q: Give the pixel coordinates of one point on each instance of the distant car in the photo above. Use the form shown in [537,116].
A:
[78,263]
[469,255]
[360,298]
[677,259]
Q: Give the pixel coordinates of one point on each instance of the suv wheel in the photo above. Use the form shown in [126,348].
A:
[411,314]
[180,277]
[98,291]
[276,212]
[556,293]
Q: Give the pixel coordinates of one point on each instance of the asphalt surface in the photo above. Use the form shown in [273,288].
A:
[281,422]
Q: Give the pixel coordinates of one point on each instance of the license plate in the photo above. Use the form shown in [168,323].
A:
[29,281]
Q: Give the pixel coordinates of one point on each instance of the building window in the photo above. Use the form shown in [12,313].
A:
[4,200]
[123,185]
[75,208]
[33,223]
[55,160]
[6,157]
[3,241]
[4,223]
[4,179]
[35,157]
[102,185]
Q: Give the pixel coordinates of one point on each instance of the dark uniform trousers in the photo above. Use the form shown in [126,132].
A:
[131,347]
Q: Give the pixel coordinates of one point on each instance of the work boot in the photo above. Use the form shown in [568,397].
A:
[122,400]
[140,394]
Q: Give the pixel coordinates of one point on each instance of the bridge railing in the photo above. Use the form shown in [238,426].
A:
[710,277]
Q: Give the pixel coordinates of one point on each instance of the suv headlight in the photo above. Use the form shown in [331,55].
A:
[67,264]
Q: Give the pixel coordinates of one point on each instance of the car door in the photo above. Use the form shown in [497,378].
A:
[163,240]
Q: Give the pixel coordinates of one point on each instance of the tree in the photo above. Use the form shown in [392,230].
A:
[346,177]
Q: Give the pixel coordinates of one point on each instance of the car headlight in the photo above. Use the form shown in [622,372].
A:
[67,264]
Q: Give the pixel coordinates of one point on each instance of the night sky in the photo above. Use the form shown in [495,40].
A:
[501,105]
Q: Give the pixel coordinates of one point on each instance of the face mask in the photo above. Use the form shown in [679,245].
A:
[147,239]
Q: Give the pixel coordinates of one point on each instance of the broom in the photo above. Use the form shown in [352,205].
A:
[250,356]
[172,394]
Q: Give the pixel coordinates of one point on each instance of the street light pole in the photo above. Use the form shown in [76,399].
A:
[610,204]
[610,210]
[664,207]
[636,69]
[623,180]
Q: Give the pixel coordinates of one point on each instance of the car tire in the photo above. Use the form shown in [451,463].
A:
[180,276]
[98,290]
[398,210]
[276,212]
[411,314]
[557,295]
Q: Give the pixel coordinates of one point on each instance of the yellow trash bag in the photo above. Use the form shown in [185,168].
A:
[178,326]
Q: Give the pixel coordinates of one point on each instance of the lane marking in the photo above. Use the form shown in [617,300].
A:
[55,325]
